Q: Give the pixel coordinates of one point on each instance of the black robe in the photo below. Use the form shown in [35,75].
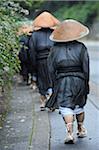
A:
[68,64]
[40,45]
[24,57]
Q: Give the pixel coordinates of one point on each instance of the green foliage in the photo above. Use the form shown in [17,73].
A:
[9,45]
[30,4]
[82,11]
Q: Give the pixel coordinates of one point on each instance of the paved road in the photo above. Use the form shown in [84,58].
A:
[91,142]
[93,49]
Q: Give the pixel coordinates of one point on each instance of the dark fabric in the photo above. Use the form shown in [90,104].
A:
[67,93]
[43,54]
[23,51]
[43,79]
[69,87]
[40,45]
[24,56]
[69,69]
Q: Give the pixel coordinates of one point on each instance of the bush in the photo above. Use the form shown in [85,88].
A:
[84,12]
[9,49]
[9,43]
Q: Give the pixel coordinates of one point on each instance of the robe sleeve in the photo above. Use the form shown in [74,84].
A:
[85,67]
[51,65]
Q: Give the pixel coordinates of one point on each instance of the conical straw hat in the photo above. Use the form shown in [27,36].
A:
[45,20]
[69,30]
[25,29]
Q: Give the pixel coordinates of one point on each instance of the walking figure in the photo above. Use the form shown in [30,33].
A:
[26,68]
[40,45]
[68,64]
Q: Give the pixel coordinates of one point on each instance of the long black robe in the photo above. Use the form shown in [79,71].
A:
[68,64]
[40,45]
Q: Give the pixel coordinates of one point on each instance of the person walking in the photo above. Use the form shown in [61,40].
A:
[68,65]
[26,69]
[24,35]
[40,45]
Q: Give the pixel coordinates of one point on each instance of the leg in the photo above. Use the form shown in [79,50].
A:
[33,85]
[27,79]
[82,132]
[68,118]
[80,119]
[43,100]
[69,123]
[33,82]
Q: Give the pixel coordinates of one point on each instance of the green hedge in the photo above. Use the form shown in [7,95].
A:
[84,12]
[9,43]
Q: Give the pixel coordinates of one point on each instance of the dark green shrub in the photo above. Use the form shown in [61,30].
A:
[82,11]
[9,43]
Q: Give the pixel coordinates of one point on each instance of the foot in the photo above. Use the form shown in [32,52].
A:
[82,133]
[52,109]
[42,107]
[33,86]
[69,139]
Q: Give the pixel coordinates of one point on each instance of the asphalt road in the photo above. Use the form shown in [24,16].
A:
[93,49]
[91,142]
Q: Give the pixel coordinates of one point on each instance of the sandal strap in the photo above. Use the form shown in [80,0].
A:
[68,125]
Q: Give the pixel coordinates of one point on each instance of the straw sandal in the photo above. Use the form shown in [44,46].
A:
[83,132]
[69,138]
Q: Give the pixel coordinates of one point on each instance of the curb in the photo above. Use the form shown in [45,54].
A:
[41,129]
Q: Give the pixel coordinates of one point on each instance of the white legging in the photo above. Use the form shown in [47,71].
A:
[68,111]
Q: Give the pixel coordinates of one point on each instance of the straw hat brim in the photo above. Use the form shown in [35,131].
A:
[38,28]
[69,30]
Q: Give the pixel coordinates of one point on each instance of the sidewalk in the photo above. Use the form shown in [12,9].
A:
[25,128]
[58,131]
